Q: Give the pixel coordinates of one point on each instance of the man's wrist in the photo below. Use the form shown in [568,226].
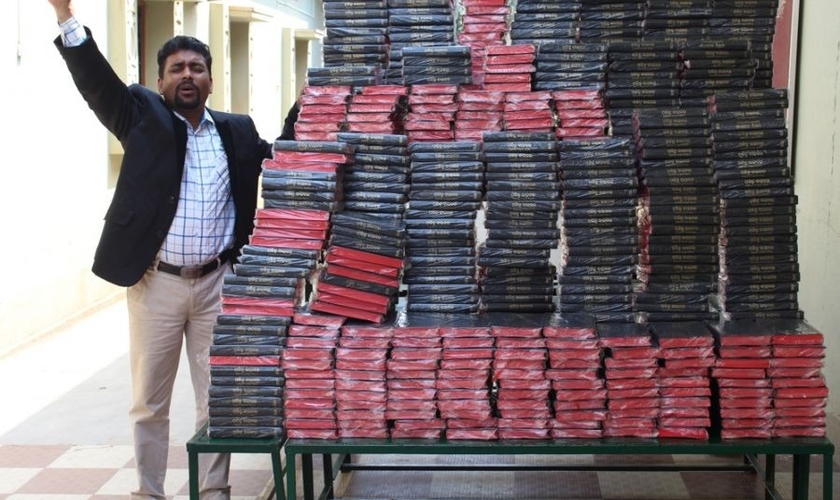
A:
[72,33]
[62,15]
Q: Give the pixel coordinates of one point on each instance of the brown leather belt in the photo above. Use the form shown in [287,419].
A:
[195,272]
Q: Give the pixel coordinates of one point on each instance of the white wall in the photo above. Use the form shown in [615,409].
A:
[267,80]
[54,189]
[55,185]
[817,170]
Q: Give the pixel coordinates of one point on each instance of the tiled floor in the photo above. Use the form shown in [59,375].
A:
[64,432]
[571,485]
[103,472]
[64,436]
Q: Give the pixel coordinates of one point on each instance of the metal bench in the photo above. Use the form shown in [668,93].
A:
[801,450]
[202,443]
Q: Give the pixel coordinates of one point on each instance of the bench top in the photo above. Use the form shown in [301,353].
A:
[202,442]
[804,445]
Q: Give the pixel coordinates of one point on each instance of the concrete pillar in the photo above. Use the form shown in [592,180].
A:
[219,41]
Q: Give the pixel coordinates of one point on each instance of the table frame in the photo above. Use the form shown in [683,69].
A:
[202,443]
[801,450]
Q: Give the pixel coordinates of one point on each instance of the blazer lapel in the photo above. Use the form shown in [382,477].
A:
[223,126]
[180,143]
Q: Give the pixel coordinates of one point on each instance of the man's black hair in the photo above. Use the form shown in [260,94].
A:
[183,42]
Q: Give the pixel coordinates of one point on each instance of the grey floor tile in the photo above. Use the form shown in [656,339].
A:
[642,486]
[557,485]
[472,485]
[389,484]
[784,484]
[730,485]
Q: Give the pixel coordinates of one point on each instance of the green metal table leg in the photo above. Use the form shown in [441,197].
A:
[277,467]
[828,476]
[769,475]
[291,486]
[328,475]
[192,464]
[801,472]
[306,472]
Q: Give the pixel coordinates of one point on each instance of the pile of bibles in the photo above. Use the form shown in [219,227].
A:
[478,111]
[686,356]
[247,382]
[270,279]
[437,64]
[642,74]
[482,25]
[301,188]
[575,371]
[305,175]
[537,22]
[343,75]
[528,111]
[420,23]
[630,365]
[431,111]
[600,241]
[679,213]
[308,362]
[366,247]
[611,20]
[755,22]
[413,361]
[678,21]
[356,47]
[762,54]
[509,67]
[377,109]
[712,66]
[769,378]
[360,278]
[360,386]
[580,114]
[465,375]
[759,276]
[323,112]
[375,181]
[800,393]
[743,390]
[560,66]
[521,390]
[447,181]
[522,206]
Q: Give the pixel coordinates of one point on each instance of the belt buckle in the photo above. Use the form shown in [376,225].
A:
[191,272]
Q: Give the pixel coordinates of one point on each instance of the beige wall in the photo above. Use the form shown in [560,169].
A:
[57,178]
[817,165]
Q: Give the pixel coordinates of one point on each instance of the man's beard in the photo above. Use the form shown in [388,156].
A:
[181,103]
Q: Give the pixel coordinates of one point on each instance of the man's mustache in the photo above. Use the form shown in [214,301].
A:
[190,85]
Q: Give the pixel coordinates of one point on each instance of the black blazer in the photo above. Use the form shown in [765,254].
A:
[154,143]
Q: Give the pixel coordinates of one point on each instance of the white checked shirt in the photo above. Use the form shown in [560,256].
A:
[204,220]
[72,33]
[205,217]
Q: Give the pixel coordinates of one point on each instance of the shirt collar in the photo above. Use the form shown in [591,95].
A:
[207,118]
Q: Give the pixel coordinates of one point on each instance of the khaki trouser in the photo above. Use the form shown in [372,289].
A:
[164,311]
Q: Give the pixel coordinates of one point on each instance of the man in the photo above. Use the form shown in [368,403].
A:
[183,207]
